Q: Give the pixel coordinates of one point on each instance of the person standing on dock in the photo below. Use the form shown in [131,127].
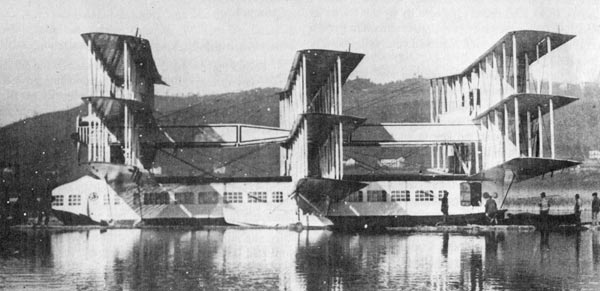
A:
[577,210]
[595,208]
[491,208]
[544,210]
[44,207]
[445,207]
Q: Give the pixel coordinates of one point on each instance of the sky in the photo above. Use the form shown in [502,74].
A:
[208,47]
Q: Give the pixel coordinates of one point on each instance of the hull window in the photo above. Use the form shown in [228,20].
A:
[156,198]
[257,197]
[376,196]
[465,194]
[59,200]
[470,194]
[475,194]
[355,197]
[397,196]
[233,197]
[424,195]
[185,198]
[208,197]
[277,197]
[74,200]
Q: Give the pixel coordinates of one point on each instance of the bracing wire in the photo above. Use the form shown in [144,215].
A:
[205,172]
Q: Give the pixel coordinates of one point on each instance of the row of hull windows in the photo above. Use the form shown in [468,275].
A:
[470,195]
[111,200]
[212,197]
[75,199]
[252,197]
[59,200]
[180,198]
[72,200]
[467,197]
[395,196]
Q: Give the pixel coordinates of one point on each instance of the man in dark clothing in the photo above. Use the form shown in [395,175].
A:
[44,204]
[445,207]
[544,210]
[491,208]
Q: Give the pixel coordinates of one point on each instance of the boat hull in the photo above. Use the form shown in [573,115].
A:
[248,202]
[89,201]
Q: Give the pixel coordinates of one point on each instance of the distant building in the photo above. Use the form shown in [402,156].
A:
[350,162]
[594,155]
[156,170]
[392,163]
[220,170]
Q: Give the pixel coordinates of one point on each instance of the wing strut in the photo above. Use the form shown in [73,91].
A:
[297,195]
[507,190]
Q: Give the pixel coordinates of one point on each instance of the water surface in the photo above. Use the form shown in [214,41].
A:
[234,259]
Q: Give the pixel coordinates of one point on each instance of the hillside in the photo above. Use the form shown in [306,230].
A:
[258,106]
[42,150]
[42,147]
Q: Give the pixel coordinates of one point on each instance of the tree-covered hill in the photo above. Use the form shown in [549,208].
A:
[43,150]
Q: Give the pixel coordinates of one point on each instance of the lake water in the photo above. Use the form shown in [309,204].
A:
[252,259]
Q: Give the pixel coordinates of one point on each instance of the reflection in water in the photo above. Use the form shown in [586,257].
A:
[287,260]
[82,260]
[596,248]
[445,237]
[577,249]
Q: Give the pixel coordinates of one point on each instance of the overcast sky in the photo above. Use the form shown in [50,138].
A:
[210,47]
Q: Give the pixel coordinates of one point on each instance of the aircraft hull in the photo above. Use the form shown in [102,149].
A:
[71,218]
[242,202]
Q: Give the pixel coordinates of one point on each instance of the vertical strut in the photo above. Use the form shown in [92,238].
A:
[552,150]
[505,137]
[549,67]
[517,137]
[541,132]
[515,64]
[528,133]
[504,74]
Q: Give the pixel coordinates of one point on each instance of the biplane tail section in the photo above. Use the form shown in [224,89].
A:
[311,108]
[119,125]
[497,93]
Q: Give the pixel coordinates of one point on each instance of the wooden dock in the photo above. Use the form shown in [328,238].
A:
[467,229]
[471,228]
